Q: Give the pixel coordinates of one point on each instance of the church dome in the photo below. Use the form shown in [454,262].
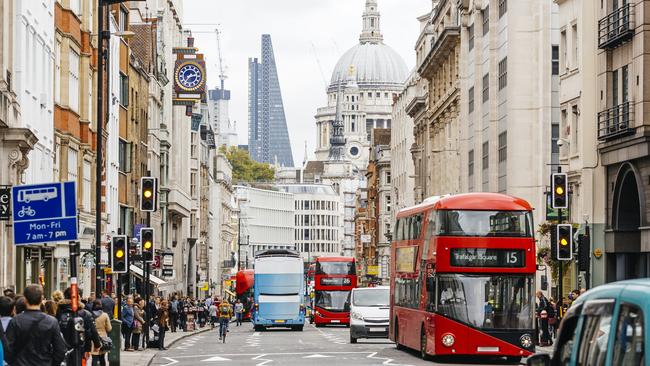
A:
[375,65]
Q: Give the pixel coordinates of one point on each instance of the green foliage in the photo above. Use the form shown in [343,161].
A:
[245,169]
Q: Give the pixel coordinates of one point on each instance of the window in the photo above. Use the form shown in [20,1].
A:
[74,88]
[124,156]
[406,292]
[614,88]
[595,332]
[86,186]
[563,49]
[470,163]
[486,20]
[503,7]
[471,99]
[72,165]
[192,184]
[122,20]
[124,90]
[574,129]
[486,155]
[629,343]
[486,87]
[388,203]
[555,60]
[503,147]
[57,72]
[470,40]
[574,40]
[503,73]
[624,90]
[388,178]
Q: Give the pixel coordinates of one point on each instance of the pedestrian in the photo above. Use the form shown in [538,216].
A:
[108,304]
[213,314]
[33,337]
[65,315]
[552,318]
[10,293]
[50,307]
[138,323]
[104,327]
[21,304]
[57,296]
[542,315]
[173,313]
[7,311]
[239,311]
[127,323]
[163,323]
[225,315]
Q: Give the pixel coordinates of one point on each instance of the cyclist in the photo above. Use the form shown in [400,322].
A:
[225,314]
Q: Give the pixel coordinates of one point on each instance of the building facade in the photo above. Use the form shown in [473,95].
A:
[506,93]
[316,221]
[219,105]
[268,136]
[401,141]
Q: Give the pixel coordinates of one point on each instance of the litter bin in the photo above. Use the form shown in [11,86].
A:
[116,337]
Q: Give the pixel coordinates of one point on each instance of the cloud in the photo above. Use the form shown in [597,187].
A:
[308,38]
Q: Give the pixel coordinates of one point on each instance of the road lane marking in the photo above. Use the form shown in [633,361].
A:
[388,361]
[170,359]
[259,358]
[317,356]
[215,359]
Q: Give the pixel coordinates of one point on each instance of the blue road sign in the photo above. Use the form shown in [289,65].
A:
[44,213]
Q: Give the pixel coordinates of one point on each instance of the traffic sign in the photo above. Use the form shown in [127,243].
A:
[44,213]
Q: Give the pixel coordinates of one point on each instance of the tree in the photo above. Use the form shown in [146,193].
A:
[245,169]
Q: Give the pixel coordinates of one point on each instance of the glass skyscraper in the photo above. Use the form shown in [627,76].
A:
[268,137]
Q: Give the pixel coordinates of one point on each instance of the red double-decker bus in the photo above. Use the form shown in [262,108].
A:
[334,279]
[463,277]
[244,289]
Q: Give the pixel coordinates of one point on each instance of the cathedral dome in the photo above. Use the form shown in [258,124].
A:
[375,64]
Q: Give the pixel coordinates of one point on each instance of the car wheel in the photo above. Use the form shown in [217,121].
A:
[300,328]
[513,359]
[258,328]
[353,340]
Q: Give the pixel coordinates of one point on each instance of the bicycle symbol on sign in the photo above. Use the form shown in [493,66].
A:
[27,210]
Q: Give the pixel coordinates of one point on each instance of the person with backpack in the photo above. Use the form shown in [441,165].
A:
[65,315]
[33,337]
[542,315]
[103,326]
[225,314]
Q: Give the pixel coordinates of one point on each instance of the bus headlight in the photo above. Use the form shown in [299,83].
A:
[356,316]
[526,340]
[448,340]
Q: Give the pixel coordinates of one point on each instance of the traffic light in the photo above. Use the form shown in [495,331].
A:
[560,193]
[146,236]
[148,194]
[583,253]
[564,242]
[119,254]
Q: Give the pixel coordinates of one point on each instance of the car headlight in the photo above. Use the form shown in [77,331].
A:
[448,340]
[356,316]
[526,340]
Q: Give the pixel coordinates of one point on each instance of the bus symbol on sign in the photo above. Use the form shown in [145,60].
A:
[36,194]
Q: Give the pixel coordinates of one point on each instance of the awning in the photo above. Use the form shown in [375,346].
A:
[138,272]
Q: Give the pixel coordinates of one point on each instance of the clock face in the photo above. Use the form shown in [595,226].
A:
[189,76]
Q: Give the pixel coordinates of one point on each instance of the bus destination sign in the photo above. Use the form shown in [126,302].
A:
[486,257]
[335,281]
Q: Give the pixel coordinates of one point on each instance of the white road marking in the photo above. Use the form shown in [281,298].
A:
[215,359]
[259,358]
[170,359]
[317,356]
[388,361]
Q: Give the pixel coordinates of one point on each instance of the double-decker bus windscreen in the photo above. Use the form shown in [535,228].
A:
[491,302]
[333,300]
[485,223]
[335,268]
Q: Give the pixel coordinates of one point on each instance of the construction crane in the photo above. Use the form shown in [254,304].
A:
[222,72]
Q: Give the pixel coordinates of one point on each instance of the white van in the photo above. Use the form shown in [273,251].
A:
[369,312]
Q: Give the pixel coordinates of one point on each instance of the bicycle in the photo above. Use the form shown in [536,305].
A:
[223,329]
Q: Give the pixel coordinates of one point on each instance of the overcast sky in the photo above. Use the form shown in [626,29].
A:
[308,38]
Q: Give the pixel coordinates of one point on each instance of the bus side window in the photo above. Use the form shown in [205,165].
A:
[431,293]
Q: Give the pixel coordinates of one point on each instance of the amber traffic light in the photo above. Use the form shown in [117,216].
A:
[560,187]
[146,236]
[148,194]
[119,254]
[564,242]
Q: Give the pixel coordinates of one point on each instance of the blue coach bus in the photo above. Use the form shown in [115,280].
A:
[278,290]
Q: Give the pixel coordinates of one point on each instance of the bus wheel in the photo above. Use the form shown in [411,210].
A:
[397,344]
[423,346]
[319,325]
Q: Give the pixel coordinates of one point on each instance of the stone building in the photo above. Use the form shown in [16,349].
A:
[401,141]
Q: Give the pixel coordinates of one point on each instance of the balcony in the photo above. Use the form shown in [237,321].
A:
[441,47]
[615,122]
[617,27]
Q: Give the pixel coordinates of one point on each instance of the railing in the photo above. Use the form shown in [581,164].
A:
[615,121]
[615,28]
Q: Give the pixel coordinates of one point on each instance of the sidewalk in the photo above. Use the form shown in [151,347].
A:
[143,358]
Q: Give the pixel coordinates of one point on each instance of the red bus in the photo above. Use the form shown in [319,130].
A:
[463,277]
[334,279]
[244,290]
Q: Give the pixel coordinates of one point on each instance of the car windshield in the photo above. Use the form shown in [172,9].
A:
[375,297]
[485,223]
[335,268]
[487,302]
[333,300]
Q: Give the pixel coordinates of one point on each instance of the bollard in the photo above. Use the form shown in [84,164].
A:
[116,337]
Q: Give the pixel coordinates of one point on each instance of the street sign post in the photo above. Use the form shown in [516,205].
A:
[44,213]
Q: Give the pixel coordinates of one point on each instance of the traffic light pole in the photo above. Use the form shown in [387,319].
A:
[147,269]
[560,270]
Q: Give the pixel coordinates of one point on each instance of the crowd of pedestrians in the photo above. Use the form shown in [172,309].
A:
[548,313]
